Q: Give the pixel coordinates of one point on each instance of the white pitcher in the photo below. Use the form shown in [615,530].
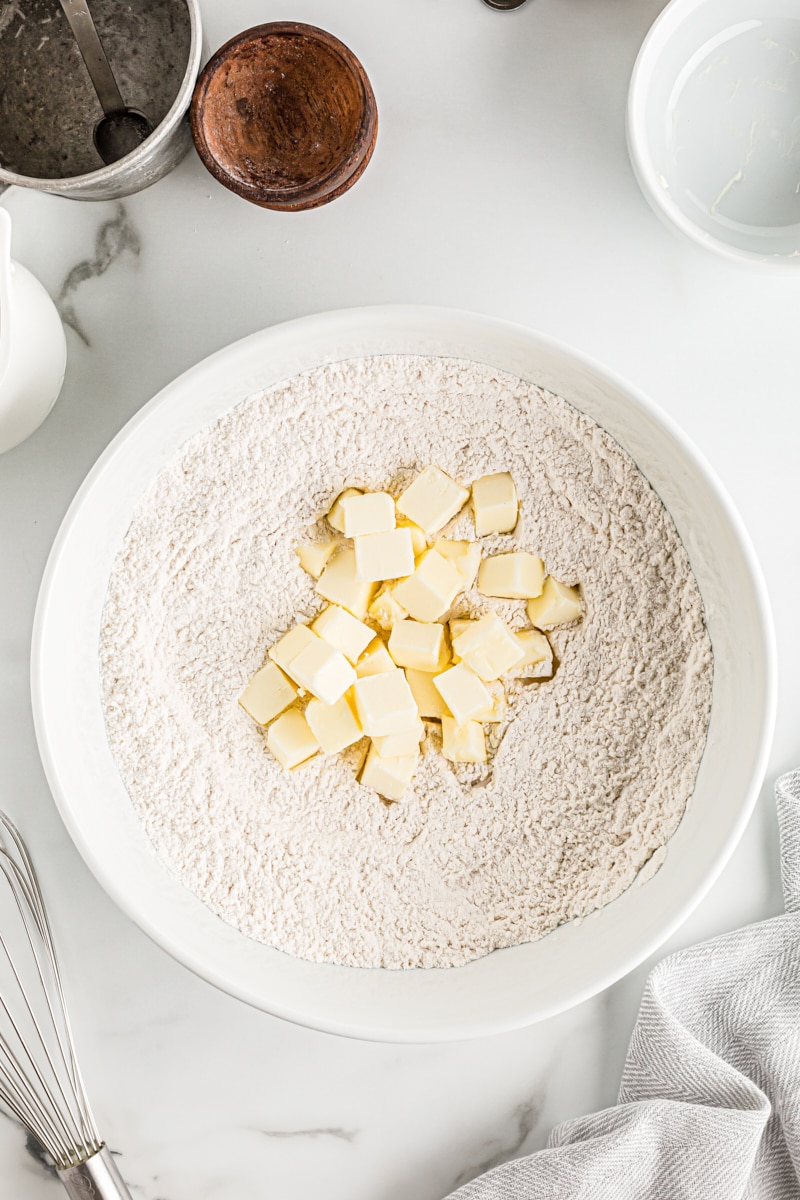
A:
[33,349]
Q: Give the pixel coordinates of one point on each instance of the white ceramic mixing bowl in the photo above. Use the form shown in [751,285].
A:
[714,125]
[510,987]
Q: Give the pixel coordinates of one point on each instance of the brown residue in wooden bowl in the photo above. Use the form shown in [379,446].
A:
[284,115]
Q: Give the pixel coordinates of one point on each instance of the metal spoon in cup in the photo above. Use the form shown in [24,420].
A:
[122,129]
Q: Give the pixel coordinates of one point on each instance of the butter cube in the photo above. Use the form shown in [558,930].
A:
[372,512]
[339,585]
[538,651]
[376,660]
[419,645]
[463,743]
[336,515]
[398,745]
[430,591]
[323,671]
[382,556]
[517,576]
[385,610]
[385,704]
[344,631]
[465,557]
[432,500]
[389,777]
[429,701]
[458,625]
[463,693]
[557,605]
[335,726]
[290,645]
[495,503]
[268,693]
[488,647]
[497,709]
[290,739]
[314,555]
[418,539]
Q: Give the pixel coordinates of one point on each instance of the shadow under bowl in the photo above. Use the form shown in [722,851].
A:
[284,116]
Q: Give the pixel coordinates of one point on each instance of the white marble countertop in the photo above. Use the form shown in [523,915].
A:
[500,184]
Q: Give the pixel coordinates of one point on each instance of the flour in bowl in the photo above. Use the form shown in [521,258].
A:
[589,773]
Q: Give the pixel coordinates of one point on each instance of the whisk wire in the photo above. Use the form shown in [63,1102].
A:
[64,1135]
[48,1098]
[17,1097]
[66,1047]
[14,1052]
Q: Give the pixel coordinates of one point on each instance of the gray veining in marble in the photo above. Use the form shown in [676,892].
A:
[346,1135]
[525,1119]
[115,238]
[39,1156]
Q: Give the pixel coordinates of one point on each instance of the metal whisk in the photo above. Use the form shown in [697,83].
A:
[40,1081]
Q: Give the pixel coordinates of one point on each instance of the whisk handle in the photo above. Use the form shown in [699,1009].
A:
[95,1179]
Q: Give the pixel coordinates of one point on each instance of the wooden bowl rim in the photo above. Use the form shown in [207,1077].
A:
[313,192]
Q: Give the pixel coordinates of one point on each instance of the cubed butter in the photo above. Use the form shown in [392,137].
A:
[463,692]
[290,739]
[339,585]
[268,693]
[389,777]
[432,500]
[420,645]
[515,576]
[382,556]
[372,512]
[432,588]
[314,555]
[495,503]
[376,660]
[465,557]
[418,539]
[463,743]
[344,631]
[457,625]
[335,726]
[290,645]
[385,703]
[497,709]
[384,608]
[336,515]
[323,671]
[429,701]
[488,647]
[558,604]
[398,745]
[538,651]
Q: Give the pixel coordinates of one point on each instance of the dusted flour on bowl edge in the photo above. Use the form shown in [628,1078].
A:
[589,773]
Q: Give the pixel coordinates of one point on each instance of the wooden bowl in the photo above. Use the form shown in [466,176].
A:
[284,115]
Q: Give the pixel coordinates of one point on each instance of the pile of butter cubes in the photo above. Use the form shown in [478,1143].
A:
[339,679]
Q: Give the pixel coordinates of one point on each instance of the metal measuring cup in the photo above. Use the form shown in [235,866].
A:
[148,162]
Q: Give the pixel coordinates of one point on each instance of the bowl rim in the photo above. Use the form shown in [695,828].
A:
[313,192]
[658,196]
[193,956]
[162,132]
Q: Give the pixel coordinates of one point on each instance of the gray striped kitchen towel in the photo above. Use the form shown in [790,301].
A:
[709,1107]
